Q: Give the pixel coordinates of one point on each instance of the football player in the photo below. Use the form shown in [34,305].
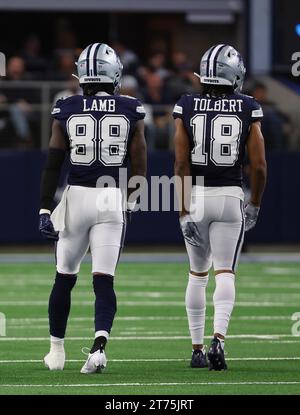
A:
[213,131]
[98,132]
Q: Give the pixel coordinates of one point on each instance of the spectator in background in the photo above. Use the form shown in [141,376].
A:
[130,87]
[73,88]
[183,80]
[19,100]
[155,88]
[65,66]
[180,62]
[66,41]
[8,136]
[128,58]
[35,64]
[157,63]
[274,121]
[16,69]
[65,52]
[156,95]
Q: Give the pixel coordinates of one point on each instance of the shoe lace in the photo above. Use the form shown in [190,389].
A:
[85,351]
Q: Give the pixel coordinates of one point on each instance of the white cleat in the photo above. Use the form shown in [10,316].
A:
[96,362]
[55,360]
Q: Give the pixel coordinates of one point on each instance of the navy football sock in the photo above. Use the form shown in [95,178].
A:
[106,302]
[60,303]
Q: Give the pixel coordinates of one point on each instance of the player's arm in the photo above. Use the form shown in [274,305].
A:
[183,183]
[258,173]
[50,179]
[138,159]
[182,167]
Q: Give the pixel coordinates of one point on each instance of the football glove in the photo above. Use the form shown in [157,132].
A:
[251,215]
[46,227]
[190,230]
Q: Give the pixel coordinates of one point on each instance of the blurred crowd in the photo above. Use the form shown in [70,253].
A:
[158,81]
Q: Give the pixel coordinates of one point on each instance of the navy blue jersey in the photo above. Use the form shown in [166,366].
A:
[218,130]
[98,130]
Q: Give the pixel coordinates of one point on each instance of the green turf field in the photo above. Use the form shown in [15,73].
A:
[149,349]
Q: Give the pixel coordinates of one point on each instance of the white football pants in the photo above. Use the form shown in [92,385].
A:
[93,218]
[222,230]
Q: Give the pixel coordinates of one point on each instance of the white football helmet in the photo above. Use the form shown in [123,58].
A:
[99,63]
[222,65]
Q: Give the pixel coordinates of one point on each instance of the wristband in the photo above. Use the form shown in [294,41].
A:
[43,211]
[131,205]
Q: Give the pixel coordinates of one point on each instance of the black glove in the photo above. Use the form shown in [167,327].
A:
[46,227]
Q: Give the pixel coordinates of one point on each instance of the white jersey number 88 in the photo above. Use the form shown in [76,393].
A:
[111,131]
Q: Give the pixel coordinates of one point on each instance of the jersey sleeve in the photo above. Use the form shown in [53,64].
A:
[139,110]
[62,109]
[256,111]
[57,111]
[178,108]
[132,107]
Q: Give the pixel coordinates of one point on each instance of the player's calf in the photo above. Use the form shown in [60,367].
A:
[106,302]
[59,308]
[60,303]
[195,301]
[223,298]
[105,310]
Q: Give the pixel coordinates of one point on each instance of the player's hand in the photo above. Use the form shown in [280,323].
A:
[46,227]
[251,215]
[190,230]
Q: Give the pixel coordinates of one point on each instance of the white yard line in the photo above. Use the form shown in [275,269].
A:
[16,321]
[242,359]
[262,303]
[281,271]
[156,257]
[234,336]
[266,286]
[133,331]
[93,385]
[273,341]
[286,285]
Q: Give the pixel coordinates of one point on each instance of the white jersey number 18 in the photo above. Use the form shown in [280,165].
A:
[224,139]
